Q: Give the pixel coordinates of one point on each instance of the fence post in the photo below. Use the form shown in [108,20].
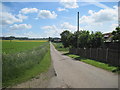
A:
[107,55]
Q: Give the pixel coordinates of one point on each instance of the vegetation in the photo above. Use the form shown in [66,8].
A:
[82,39]
[116,34]
[60,47]
[65,36]
[15,46]
[23,65]
[94,63]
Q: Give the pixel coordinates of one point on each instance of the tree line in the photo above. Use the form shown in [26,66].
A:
[22,38]
[87,39]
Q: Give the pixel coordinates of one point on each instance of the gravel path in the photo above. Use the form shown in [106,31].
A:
[76,74]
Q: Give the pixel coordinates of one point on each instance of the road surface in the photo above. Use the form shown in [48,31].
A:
[76,74]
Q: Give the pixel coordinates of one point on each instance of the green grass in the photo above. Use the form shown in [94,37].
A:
[31,73]
[13,47]
[21,66]
[60,47]
[93,62]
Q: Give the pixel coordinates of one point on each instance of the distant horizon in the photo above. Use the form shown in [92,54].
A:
[29,37]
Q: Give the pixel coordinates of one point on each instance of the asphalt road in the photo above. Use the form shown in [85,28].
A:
[76,74]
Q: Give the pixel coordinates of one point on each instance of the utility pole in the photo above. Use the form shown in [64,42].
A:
[78,21]
[78,30]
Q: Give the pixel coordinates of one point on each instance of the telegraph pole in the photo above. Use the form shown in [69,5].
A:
[78,30]
[78,21]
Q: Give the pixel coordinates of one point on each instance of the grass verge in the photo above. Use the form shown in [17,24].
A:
[60,47]
[94,63]
[29,73]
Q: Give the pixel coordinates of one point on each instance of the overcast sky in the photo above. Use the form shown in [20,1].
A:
[44,19]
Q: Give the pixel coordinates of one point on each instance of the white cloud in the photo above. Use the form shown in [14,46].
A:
[51,31]
[69,3]
[47,14]
[8,18]
[61,9]
[54,31]
[32,35]
[103,15]
[29,10]
[68,26]
[53,27]
[113,26]
[20,27]
[20,16]
[7,34]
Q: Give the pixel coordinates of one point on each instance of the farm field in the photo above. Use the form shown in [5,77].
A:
[23,60]
[20,45]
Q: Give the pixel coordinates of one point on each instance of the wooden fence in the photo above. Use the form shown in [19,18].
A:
[106,55]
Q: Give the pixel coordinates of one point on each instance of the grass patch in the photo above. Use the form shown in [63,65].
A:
[94,63]
[32,73]
[23,66]
[60,47]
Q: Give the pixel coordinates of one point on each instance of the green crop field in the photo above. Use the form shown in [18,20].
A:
[23,60]
[19,46]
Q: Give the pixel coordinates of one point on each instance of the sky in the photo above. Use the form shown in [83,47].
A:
[49,19]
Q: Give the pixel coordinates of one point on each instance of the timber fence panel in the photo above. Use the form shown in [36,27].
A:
[110,56]
[87,52]
[102,55]
[93,53]
[113,57]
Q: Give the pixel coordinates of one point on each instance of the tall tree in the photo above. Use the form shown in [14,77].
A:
[65,35]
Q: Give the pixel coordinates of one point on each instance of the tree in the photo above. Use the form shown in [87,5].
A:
[83,39]
[49,38]
[11,38]
[65,38]
[73,39]
[96,39]
[116,34]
